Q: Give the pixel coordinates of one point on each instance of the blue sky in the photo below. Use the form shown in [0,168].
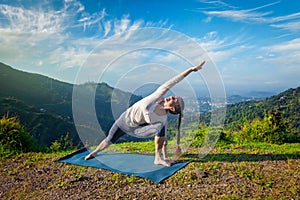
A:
[254,45]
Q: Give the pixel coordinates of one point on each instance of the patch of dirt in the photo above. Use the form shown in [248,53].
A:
[38,176]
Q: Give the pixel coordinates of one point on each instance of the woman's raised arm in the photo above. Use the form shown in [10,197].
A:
[162,90]
[192,69]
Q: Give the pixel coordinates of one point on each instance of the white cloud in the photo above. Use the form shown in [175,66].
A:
[290,26]
[217,3]
[286,54]
[248,15]
[222,49]
[254,16]
[36,36]
[239,15]
[90,20]
[120,26]
[31,36]
[291,45]
[286,17]
[17,19]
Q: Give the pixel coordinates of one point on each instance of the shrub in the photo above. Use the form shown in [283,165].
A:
[269,129]
[199,136]
[63,143]
[209,135]
[13,137]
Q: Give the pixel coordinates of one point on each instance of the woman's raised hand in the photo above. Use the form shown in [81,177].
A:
[192,69]
[198,67]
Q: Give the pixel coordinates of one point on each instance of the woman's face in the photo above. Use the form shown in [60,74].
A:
[170,101]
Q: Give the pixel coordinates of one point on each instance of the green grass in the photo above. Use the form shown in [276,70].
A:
[132,147]
[229,171]
[246,148]
[287,148]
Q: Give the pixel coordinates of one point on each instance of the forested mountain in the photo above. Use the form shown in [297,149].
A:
[286,107]
[287,102]
[44,105]
[43,127]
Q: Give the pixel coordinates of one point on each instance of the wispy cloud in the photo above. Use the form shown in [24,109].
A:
[217,4]
[286,54]
[221,49]
[239,15]
[254,15]
[17,19]
[290,26]
[47,37]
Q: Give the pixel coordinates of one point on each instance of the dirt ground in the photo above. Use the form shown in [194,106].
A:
[38,176]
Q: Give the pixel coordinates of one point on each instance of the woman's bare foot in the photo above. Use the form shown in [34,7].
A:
[161,162]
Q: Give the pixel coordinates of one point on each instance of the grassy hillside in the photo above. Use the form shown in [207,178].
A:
[285,105]
[248,171]
[44,127]
[288,102]
[229,171]
[44,105]
[33,89]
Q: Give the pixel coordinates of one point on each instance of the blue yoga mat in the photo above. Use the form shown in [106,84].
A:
[125,163]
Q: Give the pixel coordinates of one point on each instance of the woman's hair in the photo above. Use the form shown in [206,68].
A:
[178,111]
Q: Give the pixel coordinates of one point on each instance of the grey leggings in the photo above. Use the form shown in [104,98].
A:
[119,128]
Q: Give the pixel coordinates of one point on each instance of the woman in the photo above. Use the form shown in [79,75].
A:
[148,117]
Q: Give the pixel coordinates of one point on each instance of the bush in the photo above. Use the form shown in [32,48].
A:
[209,135]
[199,136]
[63,143]
[270,129]
[13,137]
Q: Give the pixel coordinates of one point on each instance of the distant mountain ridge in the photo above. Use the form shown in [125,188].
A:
[287,103]
[44,105]
[19,83]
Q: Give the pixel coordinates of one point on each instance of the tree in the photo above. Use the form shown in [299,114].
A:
[13,137]
[269,129]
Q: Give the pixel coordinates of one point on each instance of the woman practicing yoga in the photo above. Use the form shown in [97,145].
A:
[148,117]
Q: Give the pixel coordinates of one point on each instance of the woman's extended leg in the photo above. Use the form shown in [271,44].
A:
[103,145]
[114,133]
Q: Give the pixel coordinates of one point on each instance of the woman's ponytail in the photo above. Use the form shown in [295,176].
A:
[178,110]
[177,152]
[178,129]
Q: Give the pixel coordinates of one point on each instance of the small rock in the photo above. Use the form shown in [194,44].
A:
[201,174]
[19,179]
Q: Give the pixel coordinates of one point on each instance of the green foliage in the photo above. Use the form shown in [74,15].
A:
[43,127]
[44,105]
[13,137]
[63,143]
[199,136]
[287,103]
[55,146]
[269,129]
[209,135]
[46,112]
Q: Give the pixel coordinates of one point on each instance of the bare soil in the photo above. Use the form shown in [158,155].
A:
[38,176]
